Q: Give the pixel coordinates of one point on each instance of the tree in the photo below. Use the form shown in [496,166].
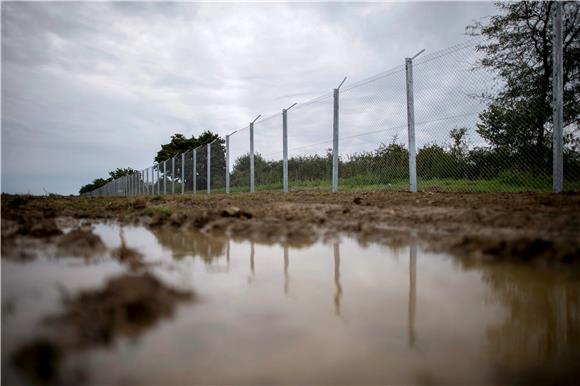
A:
[97,183]
[120,172]
[180,144]
[518,48]
[458,142]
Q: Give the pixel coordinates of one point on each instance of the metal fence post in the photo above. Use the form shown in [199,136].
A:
[335,138]
[252,153]
[195,170]
[147,181]
[208,168]
[182,172]
[227,163]
[173,175]
[335,143]
[284,151]
[411,126]
[558,101]
[285,148]
[252,157]
[158,181]
[165,177]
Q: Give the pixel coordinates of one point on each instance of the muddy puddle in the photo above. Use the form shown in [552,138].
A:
[165,306]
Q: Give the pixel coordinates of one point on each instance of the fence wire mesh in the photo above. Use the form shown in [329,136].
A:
[240,160]
[201,170]
[218,166]
[373,132]
[459,143]
[309,158]
[268,153]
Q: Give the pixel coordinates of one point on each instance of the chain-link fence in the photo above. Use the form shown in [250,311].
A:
[428,124]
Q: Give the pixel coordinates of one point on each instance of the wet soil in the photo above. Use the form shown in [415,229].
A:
[80,242]
[523,226]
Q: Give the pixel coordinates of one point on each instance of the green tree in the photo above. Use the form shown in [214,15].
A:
[518,47]
[113,175]
[97,183]
[120,172]
[180,144]
[458,142]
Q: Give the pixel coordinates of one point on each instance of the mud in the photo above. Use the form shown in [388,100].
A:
[132,258]
[39,360]
[79,242]
[127,306]
[521,226]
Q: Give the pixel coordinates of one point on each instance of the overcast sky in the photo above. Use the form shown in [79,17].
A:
[88,87]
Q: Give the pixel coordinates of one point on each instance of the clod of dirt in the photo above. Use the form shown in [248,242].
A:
[234,211]
[177,219]
[80,242]
[357,200]
[42,228]
[17,201]
[39,360]
[139,204]
[129,256]
[49,212]
[127,305]
[157,199]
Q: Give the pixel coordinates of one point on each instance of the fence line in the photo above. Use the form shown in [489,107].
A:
[441,95]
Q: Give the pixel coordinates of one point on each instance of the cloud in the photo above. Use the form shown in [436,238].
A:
[88,87]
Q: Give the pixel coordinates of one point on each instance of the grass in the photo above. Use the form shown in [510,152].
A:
[154,210]
[504,183]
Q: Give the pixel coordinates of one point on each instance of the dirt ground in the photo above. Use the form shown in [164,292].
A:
[543,228]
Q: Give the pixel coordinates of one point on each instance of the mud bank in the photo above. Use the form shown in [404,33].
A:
[127,306]
[531,227]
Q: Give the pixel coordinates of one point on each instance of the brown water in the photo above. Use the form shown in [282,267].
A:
[334,312]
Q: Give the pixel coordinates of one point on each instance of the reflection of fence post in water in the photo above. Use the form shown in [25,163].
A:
[228,252]
[338,293]
[412,292]
[252,252]
[286,262]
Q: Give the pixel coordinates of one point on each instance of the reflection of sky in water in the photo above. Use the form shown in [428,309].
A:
[330,312]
